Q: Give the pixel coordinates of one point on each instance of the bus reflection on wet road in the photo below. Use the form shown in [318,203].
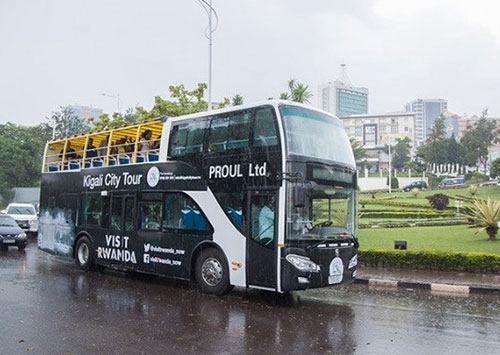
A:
[51,307]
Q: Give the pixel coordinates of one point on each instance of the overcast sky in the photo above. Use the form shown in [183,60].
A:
[61,52]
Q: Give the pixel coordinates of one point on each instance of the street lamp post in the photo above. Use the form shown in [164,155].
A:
[390,166]
[390,156]
[117,98]
[208,33]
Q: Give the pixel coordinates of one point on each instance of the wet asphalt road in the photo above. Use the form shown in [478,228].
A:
[48,306]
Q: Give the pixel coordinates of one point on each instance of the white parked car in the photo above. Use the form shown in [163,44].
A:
[25,215]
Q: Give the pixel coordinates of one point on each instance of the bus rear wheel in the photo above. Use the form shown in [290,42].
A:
[83,257]
[212,272]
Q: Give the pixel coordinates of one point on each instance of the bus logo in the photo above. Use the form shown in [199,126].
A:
[153,176]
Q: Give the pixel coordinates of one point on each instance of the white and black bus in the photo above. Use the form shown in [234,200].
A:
[260,196]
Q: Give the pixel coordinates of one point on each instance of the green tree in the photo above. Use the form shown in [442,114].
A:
[432,151]
[358,151]
[66,123]
[455,151]
[237,100]
[495,168]
[298,92]
[401,153]
[183,102]
[438,149]
[22,147]
[477,139]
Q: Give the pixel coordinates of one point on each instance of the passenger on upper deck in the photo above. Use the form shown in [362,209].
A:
[156,143]
[121,145]
[103,147]
[145,141]
[70,152]
[91,151]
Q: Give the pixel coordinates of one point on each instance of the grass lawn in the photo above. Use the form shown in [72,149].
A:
[459,238]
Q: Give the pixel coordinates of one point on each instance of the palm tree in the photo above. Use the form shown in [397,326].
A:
[301,93]
[298,92]
[237,100]
[485,213]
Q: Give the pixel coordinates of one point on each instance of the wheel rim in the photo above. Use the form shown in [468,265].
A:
[211,272]
[83,253]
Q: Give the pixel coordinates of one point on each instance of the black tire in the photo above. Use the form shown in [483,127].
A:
[212,272]
[21,247]
[4,247]
[84,257]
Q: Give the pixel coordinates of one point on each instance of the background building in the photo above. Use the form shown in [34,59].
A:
[85,112]
[374,132]
[466,123]
[341,98]
[426,110]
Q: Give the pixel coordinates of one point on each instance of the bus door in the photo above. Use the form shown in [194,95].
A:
[120,238]
[261,241]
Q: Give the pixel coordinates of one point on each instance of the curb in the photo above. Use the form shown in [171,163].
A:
[432,287]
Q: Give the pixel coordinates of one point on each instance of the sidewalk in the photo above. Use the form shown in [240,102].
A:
[435,281]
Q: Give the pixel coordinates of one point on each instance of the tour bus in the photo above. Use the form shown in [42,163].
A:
[255,196]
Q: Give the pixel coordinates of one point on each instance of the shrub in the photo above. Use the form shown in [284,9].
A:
[439,201]
[431,260]
[394,183]
[485,213]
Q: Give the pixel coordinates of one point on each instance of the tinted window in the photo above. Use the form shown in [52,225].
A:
[187,138]
[265,128]
[182,213]
[92,209]
[229,132]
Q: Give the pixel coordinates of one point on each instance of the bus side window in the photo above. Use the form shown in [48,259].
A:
[239,127]
[264,129]
[93,211]
[129,214]
[217,140]
[187,138]
[181,213]
[150,215]
[116,212]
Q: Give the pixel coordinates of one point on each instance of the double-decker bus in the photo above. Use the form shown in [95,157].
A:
[256,196]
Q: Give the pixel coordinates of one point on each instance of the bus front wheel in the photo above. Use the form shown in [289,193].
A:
[212,272]
[84,257]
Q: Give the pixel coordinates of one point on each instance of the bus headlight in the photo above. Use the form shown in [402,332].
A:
[302,263]
[353,262]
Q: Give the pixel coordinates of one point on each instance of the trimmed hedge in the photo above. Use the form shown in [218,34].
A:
[386,202]
[435,260]
[405,214]
[422,223]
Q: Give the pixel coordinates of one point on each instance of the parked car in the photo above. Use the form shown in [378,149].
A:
[452,183]
[25,215]
[421,184]
[11,234]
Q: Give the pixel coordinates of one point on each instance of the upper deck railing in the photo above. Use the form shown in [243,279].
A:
[125,145]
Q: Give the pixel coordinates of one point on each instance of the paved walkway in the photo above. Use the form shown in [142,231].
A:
[436,281]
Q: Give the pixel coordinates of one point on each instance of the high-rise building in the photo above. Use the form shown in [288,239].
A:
[426,110]
[343,99]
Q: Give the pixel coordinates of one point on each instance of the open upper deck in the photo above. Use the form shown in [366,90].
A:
[129,144]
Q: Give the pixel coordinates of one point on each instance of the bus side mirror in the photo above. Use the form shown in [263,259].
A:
[299,196]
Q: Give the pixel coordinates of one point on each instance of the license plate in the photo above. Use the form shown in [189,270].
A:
[9,241]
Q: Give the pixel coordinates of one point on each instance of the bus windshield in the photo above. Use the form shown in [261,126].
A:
[324,213]
[315,134]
